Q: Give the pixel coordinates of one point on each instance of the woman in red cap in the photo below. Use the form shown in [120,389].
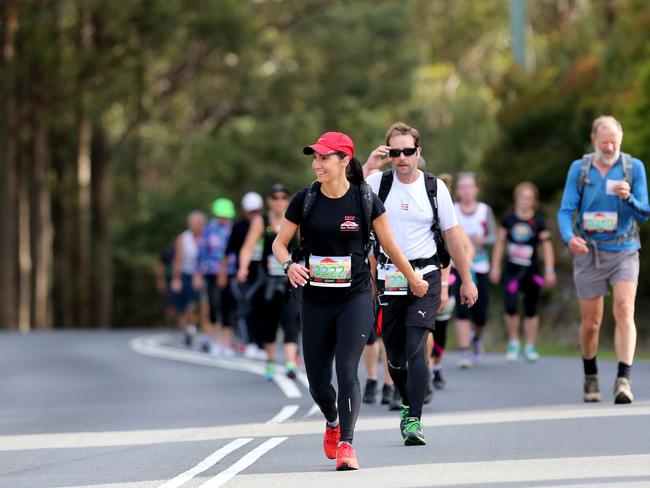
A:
[335,215]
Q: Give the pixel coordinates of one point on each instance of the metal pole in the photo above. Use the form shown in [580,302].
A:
[518,20]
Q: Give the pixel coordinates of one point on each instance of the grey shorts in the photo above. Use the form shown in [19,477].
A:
[592,281]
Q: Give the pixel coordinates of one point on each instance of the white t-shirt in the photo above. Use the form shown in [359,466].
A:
[410,214]
[480,223]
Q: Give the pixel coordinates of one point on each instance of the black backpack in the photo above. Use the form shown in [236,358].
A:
[431,182]
[366,202]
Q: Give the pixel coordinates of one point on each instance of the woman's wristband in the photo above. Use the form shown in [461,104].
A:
[444,284]
[549,270]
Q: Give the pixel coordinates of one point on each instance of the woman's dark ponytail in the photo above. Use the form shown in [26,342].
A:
[354,171]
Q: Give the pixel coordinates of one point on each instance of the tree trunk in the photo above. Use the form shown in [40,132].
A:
[43,232]
[84,174]
[102,269]
[8,178]
[24,251]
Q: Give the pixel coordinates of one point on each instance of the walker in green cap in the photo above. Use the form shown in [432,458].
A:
[223,208]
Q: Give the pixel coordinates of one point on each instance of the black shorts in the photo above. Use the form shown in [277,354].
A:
[409,310]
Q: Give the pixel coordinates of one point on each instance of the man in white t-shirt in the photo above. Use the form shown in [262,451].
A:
[404,320]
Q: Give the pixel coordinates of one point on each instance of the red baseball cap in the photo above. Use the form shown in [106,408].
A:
[330,143]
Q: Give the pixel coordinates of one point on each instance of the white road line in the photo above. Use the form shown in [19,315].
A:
[286,412]
[243,463]
[150,346]
[207,463]
[312,411]
[79,440]
[585,472]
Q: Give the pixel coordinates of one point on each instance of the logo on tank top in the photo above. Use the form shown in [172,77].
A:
[404,205]
[349,225]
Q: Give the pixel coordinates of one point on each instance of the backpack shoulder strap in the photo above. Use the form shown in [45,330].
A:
[366,194]
[585,164]
[628,172]
[431,183]
[385,185]
[310,200]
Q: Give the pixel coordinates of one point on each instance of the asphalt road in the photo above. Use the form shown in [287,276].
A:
[108,409]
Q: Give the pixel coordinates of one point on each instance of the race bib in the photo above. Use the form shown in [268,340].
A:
[256,255]
[395,283]
[274,268]
[600,222]
[520,254]
[331,272]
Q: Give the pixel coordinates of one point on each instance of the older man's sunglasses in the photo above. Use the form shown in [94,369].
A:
[408,151]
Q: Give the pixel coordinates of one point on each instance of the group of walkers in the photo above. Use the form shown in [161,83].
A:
[226,287]
[364,260]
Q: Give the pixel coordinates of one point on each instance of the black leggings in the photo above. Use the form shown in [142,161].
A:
[405,349]
[440,338]
[336,330]
[220,300]
[478,312]
[282,311]
[526,286]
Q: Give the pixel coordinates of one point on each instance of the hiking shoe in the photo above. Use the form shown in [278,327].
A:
[438,381]
[414,433]
[387,394]
[591,389]
[623,391]
[465,359]
[512,351]
[403,417]
[477,349]
[428,393]
[291,370]
[331,440]
[370,392]
[269,371]
[188,335]
[396,402]
[346,459]
[530,353]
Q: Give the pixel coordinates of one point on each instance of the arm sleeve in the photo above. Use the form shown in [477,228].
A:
[294,211]
[638,201]
[491,236]
[570,202]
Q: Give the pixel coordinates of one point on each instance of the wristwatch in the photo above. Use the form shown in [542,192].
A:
[285,266]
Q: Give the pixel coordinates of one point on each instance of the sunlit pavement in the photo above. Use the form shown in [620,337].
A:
[138,410]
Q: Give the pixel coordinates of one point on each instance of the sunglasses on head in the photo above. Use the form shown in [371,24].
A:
[408,151]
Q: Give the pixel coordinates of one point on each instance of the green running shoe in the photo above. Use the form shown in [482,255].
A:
[414,433]
[269,372]
[403,416]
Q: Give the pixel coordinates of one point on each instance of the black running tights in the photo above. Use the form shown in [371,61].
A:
[336,330]
[407,366]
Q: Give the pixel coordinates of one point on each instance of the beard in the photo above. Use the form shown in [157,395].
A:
[611,161]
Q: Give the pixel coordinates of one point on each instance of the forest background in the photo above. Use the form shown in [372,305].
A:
[119,117]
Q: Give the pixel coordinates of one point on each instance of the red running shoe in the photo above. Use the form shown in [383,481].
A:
[331,440]
[346,459]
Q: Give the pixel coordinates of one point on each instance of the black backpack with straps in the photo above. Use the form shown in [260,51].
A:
[366,201]
[431,183]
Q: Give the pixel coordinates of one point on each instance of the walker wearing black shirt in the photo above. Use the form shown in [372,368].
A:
[337,312]
[334,228]
[521,272]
